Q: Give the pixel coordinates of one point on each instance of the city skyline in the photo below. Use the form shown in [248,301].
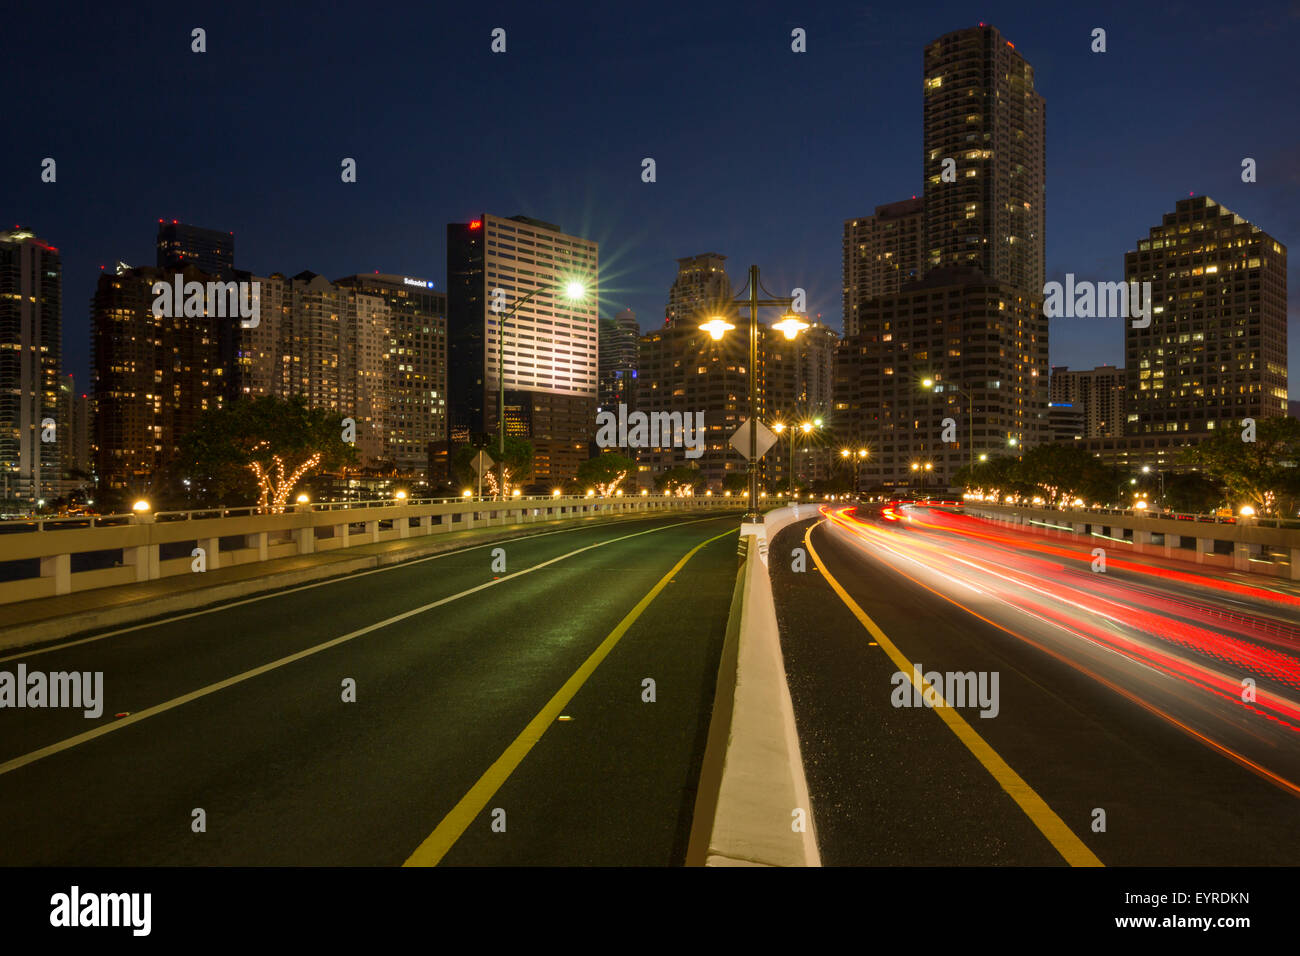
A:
[1103,187]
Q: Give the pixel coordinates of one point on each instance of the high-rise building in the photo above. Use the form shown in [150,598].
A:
[619,338]
[798,376]
[701,288]
[153,376]
[1096,393]
[331,344]
[549,345]
[982,345]
[983,113]
[1215,350]
[181,246]
[31,321]
[973,324]
[416,387]
[881,252]
[74,422]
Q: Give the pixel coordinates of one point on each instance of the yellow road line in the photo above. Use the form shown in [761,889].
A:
[457,821]
[1074,850]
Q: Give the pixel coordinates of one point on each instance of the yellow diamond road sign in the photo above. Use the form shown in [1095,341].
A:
[766,438]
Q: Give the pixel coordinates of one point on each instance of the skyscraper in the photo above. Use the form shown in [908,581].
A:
[550,343]
[973,325]
[331,344]
[31,320]
[416,385]
[1215,350]
[701,289]
[983,113]
[881,252]
[153,375]
[978,342]
[208,250]
[619,338]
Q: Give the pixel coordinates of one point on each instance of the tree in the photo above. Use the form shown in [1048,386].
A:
[1264,473]
[681,481]
[1193,493]
[1059,474]
[261,447]
[518,464]
[737,482]
[605,472]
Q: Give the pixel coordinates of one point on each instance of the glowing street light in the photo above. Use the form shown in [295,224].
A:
[140,506]
[717,327]
[790,325]
[303,499]
[1246,511]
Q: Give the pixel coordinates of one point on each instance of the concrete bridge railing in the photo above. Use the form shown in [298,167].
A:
[61,556]
[1252,545]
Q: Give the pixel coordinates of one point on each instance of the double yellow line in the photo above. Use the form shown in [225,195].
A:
[1075,852]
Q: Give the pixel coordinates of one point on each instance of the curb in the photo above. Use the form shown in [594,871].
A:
[752,780]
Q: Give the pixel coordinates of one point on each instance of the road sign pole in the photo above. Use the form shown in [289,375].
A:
[754,517]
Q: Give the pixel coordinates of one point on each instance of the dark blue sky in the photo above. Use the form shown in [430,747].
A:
[761,152]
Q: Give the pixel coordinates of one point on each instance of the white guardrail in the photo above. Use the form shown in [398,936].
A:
[51,556]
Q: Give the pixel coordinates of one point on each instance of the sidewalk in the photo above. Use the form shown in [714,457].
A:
[45,619]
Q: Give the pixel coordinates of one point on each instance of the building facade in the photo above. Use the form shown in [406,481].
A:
[619,346]
[881,252]
[31,352]
[983,113]
[973,325]
[1096,393]
[980,344]
[181,246]
[415,366]
[154,375]
[548,350]
[1215,349]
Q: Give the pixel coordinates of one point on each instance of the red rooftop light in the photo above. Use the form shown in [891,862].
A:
[475,224]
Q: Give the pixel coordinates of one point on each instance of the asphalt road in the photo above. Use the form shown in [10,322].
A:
[1118,692]
[461,673]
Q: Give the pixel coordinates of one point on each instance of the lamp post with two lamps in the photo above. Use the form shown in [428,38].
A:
[790,325]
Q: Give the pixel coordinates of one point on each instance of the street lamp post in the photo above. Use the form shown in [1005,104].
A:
[574,291]
[970,412]
[791,325]
[1146,470]
[858,458]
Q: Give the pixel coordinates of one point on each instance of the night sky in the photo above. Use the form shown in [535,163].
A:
[761,152]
